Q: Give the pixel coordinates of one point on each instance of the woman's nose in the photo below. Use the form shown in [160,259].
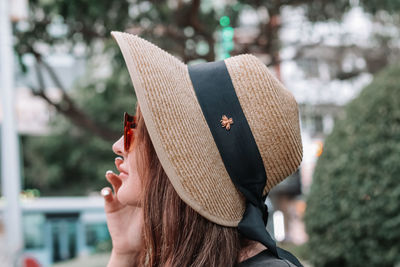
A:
[118,147]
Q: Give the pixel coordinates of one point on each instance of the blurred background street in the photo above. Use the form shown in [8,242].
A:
[64,88]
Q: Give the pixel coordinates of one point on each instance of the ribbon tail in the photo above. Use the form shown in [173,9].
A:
[252,226]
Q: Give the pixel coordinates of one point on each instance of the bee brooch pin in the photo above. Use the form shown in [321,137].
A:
[225,122]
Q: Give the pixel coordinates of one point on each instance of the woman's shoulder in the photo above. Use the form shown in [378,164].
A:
[265,258]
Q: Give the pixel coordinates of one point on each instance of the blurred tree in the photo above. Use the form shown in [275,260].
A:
[71,160]
[353,210]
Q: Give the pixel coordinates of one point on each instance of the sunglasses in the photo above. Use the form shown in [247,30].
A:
[129,124]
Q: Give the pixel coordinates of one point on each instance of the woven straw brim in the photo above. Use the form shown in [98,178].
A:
[182,139]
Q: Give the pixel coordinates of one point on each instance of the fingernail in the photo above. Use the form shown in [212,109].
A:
[109,172]
[105,192]
[119,158]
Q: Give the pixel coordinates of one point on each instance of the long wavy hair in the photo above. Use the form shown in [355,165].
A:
[174,234]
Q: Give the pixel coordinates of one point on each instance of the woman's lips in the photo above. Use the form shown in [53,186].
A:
[122,173]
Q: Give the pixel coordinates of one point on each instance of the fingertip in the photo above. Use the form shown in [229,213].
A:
[109,172]
[111,202]
[106,193]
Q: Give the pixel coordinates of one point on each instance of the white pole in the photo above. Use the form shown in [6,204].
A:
[10,172]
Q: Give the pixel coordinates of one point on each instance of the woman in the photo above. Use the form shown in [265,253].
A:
[196,162]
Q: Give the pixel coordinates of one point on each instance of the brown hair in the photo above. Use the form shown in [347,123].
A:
[174,234]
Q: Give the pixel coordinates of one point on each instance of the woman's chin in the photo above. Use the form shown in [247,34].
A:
[126,198]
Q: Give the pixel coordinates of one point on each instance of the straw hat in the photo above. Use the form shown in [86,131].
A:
[183,140]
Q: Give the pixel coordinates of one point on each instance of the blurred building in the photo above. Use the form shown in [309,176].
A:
[55,229]
[61,228]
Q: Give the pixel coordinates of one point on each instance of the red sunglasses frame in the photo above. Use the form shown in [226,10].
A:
[130,123]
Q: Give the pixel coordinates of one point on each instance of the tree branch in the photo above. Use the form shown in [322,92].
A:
[66,106]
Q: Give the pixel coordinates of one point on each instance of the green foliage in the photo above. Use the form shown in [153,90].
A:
[353,211]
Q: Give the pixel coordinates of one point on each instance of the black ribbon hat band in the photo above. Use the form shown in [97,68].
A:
[239,152]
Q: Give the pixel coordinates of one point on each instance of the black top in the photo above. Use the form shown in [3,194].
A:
[265,259]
